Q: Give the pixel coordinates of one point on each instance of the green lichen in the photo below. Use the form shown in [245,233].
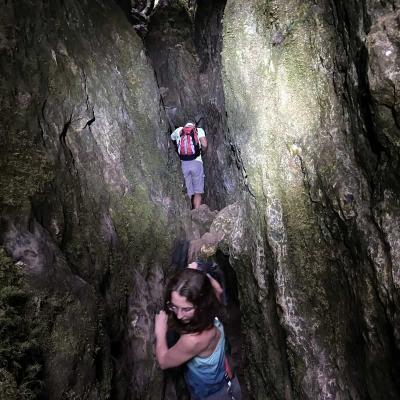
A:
[71,330]
[141,225]
[306,252]
[280,103]
[25,168]
[8,386]
[20,335]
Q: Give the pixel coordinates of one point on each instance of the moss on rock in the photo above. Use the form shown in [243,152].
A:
[21,364]
[25,168]
[141,225]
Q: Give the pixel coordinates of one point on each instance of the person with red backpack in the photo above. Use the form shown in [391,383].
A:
[191,142]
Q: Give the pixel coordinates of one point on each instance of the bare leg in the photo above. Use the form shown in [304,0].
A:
[197,200]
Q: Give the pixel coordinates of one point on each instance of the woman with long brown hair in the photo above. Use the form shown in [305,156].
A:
[192,306]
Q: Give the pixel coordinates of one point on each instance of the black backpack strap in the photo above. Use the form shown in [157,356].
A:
[196,145]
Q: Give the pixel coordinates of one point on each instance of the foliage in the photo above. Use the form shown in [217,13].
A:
[20,354]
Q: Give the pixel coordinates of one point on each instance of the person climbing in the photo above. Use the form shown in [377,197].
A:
[216,275]
[192,308]
[191,142]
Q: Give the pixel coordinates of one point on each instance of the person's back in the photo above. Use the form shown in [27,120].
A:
[191,142]
[206,374]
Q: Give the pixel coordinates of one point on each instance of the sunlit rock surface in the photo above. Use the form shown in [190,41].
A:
[331,256]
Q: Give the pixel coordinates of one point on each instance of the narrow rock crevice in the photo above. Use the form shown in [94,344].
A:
[187,64]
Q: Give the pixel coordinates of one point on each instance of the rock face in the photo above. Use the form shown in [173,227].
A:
[184,43]
[300,103]
[315,119]
[88,192]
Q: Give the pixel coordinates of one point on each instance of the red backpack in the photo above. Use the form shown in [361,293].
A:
[189,144]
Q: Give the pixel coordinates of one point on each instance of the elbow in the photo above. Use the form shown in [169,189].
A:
[165,363]
[163,366]
[161,362]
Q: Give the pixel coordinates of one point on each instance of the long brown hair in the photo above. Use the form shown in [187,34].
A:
[196,287]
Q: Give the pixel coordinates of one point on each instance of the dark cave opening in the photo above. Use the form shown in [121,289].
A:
[233,316]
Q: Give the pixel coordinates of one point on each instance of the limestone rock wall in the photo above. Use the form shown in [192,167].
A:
[306,107]
[184,43]
[300,103]
[88,192]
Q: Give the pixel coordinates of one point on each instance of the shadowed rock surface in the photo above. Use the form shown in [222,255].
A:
[300,103]
[88,192]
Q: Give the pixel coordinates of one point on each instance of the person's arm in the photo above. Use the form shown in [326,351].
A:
[214,283]
[175,138]
[175,134]
[203,142]
[185,348]
[217,288]
[202,139]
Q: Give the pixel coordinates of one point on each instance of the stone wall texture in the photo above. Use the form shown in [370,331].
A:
[300,103]
[310,94]
[89,196]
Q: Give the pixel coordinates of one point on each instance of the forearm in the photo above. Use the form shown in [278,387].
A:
[204,144]
[161,350]
[185,348]
[216,286]
[214,283]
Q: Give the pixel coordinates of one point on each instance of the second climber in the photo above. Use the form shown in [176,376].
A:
[191,142]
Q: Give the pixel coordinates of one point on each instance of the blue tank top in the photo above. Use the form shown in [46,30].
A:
[205,375]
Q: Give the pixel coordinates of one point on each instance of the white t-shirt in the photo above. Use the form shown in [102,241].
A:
[176,135]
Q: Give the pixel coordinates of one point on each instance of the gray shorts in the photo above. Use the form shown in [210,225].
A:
[193,173]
